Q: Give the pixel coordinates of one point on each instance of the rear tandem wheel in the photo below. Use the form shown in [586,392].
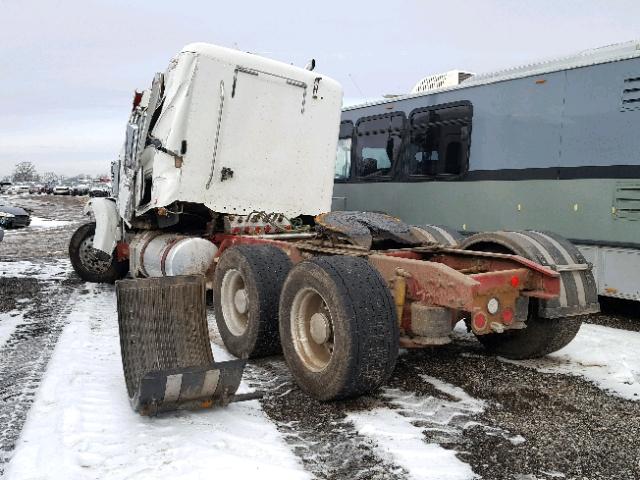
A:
[338,327]
[246,289]
[541,335]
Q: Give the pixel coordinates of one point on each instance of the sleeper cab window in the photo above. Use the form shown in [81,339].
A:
[378,140]
[438,145]
[343,155]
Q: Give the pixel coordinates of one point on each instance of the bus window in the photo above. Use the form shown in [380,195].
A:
[377,146]
[438,141]
[343,156]
[343,159]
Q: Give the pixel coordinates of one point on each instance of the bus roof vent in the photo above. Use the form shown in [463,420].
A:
[441,80]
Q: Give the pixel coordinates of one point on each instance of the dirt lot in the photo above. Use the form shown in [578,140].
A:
[506,420]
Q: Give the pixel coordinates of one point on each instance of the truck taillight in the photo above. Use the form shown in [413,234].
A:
[479,321]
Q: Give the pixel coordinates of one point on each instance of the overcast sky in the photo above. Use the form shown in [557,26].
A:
[68,68]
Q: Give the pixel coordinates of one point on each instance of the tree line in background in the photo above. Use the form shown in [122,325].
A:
[26,172]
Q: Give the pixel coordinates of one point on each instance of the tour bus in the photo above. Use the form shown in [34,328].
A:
[551,146]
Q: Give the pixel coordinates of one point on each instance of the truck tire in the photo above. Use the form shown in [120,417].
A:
[441,234]
[542,335]
[246,288]
[338,327]
[90,264]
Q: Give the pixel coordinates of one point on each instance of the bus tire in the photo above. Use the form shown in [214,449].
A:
[338,327]
[246,288]
[90,264]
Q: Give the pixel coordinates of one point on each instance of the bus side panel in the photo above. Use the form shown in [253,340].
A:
[516,123]
[577,209]
[598,128]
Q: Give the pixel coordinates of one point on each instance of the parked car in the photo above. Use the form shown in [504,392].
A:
[61,190]
[5,186]
[36,188]
[80,189]
[18,189]
[14,217]
[100,190]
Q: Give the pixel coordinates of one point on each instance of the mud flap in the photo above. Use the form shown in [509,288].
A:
[166,353]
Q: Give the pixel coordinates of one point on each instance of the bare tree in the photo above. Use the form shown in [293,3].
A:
[25,172]
[50,177]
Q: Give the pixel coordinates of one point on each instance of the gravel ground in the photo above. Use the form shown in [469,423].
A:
[570,426]
[39,243]
[533,425]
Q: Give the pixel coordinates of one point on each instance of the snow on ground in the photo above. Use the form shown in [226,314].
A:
[39,222]
[8,323]
[56,269]
[402,443]
[81,425]
[608,357]
[400,434]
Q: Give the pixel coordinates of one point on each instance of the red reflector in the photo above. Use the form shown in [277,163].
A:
[137,98]
[235,230]
[507,316]
[267,228]
[479,321]
[515,281]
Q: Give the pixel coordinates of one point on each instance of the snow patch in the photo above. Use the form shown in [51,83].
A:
[54,270]
[8,323]
[403,434]
[402,443]
[605,356]
[38,222]
[81,425]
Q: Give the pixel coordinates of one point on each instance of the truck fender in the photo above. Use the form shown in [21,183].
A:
[578,292]
[108,230]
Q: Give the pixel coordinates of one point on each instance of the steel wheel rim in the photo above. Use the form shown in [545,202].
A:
[306,304]
[90,258]
[235,314]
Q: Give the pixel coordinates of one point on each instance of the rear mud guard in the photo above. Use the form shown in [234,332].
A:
[166,353]
[578,292]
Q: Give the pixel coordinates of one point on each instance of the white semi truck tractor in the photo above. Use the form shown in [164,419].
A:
[224,184]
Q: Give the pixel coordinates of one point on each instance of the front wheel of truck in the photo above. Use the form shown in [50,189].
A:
[90,264]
